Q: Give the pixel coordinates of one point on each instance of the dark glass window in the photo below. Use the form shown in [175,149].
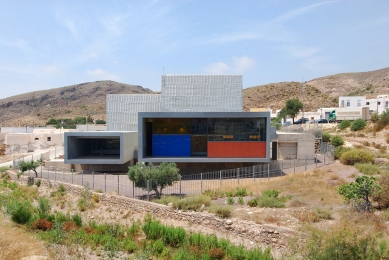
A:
[237,129]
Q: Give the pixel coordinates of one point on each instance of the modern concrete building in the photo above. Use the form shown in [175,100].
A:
[204,137]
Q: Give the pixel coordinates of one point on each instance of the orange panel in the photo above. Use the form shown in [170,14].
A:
[237,149]
[216,149]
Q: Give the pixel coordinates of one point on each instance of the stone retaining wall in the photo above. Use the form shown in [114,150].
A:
[264,235]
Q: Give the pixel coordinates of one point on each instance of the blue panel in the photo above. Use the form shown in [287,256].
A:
[171,145]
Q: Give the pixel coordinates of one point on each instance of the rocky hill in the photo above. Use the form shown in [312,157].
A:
[369,84]
[320,92]
[274,96]
[36,108]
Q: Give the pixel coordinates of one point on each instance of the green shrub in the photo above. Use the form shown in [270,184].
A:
[129,246]
[173,236]
[240,201]
[38,183]
[374,117]
[21,211]
[368,168]
[326,137]
[167,199]
[356,156]
[61,189]
[270,202]
[346,241]
[253,202]
[43,208]
[337,141]
[12,185]
[82,204]
[241,192]
[340,150]
[229,194]
[230,201]
[192,203]
[223,211]
[77,219]
[358,124]
[3,169]
[381,123]
[271,193]
[158,247]
[344,124]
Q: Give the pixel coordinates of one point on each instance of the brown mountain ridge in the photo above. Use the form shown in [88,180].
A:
[36,108]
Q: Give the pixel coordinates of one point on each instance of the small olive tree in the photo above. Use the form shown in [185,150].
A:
[30,165]
[358,192]
[159,176]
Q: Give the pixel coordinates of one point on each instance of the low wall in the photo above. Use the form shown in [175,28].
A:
[264,235]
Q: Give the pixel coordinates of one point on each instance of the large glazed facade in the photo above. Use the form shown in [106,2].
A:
[204,137]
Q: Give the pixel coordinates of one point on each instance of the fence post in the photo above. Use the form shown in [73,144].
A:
[316,159]
[268,172]
[282,168]
[105,182]
[254,172]
[148,190]
[220,172]
[93,180]
[156,183]
[294,166]
[180,185]
[118,184]
[201,182]
[72,175]
[63,173]
[324,159]
[82,178]
[41,165]
[133,189]
[48,174]
[305,163]
[238,175]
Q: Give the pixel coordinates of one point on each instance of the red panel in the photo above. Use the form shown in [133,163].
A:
[237,149]
[216,149]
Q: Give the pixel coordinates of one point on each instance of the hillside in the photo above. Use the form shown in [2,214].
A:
[274,96]
[36,108]
[369,84]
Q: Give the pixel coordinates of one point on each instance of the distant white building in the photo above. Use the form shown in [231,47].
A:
[376,105]
[357,101]
[379,104]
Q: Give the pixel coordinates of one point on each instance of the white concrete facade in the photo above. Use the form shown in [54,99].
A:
[352,101]
[295,146]
[379,104]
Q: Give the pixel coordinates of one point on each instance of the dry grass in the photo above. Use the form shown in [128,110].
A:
[314,187]
[17,243]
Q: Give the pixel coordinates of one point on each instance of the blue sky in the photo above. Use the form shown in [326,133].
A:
[51,44]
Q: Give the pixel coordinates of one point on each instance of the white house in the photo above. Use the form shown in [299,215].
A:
[379,104]
[355,101]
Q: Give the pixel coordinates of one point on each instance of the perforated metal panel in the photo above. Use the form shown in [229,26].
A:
[201,93]
[122,110]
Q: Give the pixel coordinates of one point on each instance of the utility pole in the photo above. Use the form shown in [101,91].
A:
[302,83]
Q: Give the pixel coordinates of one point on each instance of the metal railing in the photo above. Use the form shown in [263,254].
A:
[187,185]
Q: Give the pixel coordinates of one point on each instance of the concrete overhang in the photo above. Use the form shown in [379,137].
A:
[100,147]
